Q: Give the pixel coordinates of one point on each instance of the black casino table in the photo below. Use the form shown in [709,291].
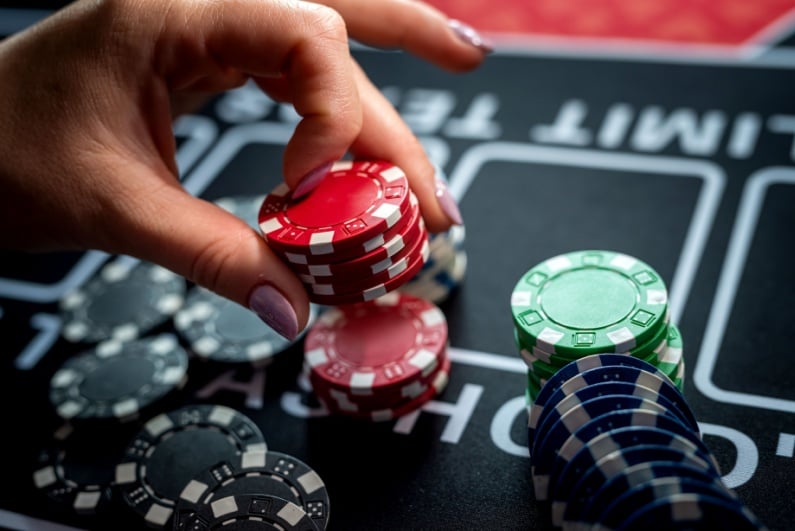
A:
[663,131]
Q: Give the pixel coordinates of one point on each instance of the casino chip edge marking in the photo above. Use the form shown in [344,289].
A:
[278,512]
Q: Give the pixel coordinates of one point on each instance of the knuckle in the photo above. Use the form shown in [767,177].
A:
[326,22]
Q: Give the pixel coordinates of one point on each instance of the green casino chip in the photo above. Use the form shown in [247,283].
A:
[544,363]
[669,359]
[534,385]
[589,302]
[645,351]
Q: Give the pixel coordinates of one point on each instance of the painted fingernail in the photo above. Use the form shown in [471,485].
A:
[448,204]
[468,34]
[310,181]
[275,310]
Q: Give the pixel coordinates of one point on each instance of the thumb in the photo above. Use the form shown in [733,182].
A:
[215,249]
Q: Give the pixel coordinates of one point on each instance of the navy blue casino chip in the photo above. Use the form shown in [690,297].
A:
[644,383]
[574,368]
[606,423]
[560,430]
[563,402]
[570,499]
[636,475]
[691,511]
[649,492]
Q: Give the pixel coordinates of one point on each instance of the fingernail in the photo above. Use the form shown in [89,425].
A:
[275,310]
[310,181]
[448,204]
[468,34]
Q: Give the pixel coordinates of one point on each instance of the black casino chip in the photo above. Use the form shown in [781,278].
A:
[172,448]
[267,473]
[222,331]
[119,380]
[250,512]
[75,470]
[121,302]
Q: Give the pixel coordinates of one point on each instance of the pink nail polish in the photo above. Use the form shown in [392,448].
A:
[274,310]
[447,203]
[468,35]
[310,181]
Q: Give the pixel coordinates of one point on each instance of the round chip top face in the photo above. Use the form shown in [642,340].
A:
[353,203]
[377,344]
[117,380]
[589,302]
[121,302]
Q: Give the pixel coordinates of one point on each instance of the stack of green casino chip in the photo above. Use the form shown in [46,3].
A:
[593,302]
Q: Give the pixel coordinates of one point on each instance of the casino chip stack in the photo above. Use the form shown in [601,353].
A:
[378,360]
[591,302]
[613,445]
[255,485]
[174,447]
[445,268]
[357,236]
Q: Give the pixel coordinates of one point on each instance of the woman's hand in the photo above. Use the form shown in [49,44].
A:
[87,153]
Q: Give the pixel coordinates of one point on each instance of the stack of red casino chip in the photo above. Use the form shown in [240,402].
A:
[357,236]
[380,359]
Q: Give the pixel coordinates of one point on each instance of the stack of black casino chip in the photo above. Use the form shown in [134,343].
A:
[124,444]
[614,445]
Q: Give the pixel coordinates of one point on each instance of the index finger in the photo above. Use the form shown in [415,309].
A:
[415,27]
[305,44]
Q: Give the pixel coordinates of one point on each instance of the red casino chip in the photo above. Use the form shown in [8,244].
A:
[354,203]
[376,346]
[343,284]
[299,261]
[345,400]
[372,263]
[380,414]
[375,290]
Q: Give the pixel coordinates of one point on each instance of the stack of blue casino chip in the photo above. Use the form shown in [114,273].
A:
[445,268]
[614,445]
